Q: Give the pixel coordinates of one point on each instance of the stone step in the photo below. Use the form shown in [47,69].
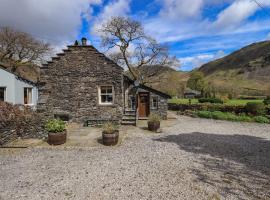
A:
[130,112]
[133,123]
[129,118]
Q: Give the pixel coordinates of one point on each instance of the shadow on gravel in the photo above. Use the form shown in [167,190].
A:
[249,171]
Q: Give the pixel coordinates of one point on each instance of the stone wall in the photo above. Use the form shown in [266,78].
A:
[162,106]
[18,121]
[69,86]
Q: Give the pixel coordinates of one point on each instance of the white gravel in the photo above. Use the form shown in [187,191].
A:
[195,159]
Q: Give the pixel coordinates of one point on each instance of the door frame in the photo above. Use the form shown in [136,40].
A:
[147,108]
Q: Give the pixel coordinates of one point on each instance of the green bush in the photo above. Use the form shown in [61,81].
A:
[267,100]
[255,108]
[219,115]
[210,100]
[204,114]
[224,116]
[261,119]
[55,126]
[244,118]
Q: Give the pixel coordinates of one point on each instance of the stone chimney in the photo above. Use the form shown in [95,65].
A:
[84,41]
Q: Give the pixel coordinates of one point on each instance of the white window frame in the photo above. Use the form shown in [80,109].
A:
[5,93]
[31,99]
[99,96]
[152,102]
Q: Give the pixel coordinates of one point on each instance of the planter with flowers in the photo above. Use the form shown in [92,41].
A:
[57,134]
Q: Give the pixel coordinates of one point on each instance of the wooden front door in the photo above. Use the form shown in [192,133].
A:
[143,104]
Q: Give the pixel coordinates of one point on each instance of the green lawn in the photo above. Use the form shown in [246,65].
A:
[230,102]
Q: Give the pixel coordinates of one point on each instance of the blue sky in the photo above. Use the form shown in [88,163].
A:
[197,31]
[207,31]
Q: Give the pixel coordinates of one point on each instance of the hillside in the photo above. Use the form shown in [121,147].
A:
[27,71]
[246,70]
[165,79]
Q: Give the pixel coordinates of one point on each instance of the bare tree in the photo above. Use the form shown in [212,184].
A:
[19,48]
[130,47]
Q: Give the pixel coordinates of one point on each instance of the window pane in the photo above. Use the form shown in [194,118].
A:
[25,96]
[109,90]
[155,102]
[103,90]
[2,94]
[110,98]
[103,98]
[29,95]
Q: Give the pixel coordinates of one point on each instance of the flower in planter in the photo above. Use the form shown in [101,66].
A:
[110,134]
[109,128]
[55,126]
[153,122]
[57,133]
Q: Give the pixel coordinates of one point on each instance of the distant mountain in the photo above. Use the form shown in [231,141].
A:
[247,69]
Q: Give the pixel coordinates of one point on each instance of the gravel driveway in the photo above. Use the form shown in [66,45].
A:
[194,159]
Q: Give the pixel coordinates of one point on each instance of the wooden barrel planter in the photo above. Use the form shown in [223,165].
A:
[153,126]
[57,138]
[110,139]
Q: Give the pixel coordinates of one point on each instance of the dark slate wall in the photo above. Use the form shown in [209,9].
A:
[69,85]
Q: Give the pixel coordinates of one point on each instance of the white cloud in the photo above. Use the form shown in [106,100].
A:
[181,9]
[56,21]
[231,20]
[235,14]
[200,59]
[114,8]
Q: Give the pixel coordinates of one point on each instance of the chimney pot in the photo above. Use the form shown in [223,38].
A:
[84,41]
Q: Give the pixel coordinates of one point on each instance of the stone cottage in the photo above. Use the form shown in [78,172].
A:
[83,85]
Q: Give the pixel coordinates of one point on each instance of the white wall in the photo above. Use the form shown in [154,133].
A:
[7,80]
[15,88]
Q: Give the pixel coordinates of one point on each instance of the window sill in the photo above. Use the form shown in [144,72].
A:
[106,104]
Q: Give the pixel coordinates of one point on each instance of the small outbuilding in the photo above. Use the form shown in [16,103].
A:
[17,90]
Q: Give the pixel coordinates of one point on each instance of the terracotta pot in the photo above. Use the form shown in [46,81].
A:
[153,126]
[110,139]
[57,138]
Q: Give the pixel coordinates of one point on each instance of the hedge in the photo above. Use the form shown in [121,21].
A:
[18,121]
[211,107]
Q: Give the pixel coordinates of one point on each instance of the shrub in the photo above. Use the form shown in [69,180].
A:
[267,100]
[204,114]
[255,108]
[261,119]
[244,118]
[224,116]
[55,126]
[210,100]
[154,118]
[109,127]
[218,115]
[224,99]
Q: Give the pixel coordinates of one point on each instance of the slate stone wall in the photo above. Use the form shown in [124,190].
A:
[69,86]
[162,106]
[19,121]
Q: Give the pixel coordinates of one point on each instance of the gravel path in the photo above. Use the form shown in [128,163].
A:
[195,159]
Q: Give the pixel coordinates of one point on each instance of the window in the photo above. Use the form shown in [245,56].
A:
[154,103]
[2,94]
[132,102]
[27,94]
[106,95]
